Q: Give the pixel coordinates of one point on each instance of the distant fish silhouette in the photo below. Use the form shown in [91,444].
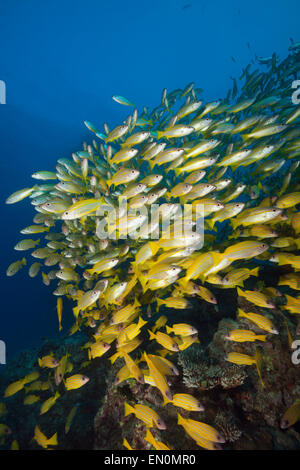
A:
[185,7]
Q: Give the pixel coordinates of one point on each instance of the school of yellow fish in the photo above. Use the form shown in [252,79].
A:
[236,159]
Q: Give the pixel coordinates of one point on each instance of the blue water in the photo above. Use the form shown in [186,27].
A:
[63,60]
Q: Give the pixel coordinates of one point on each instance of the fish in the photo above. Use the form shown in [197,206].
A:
[13,268]
[14,387]
[75,381]
[164,340]
[49,403]
[156,444]
[70,418]
[257,298]
[42,440]
[185,401]
[291,415]
[48,361]
[182,329]
[197,429]
[122,100]
[241,336]
[158,378]
[145,414]
[59,307]
[103,247]
[20,195]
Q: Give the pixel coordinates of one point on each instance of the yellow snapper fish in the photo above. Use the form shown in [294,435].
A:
[86,301]
[174,302]
[185,401]
[49,403]
[245,250]
[158,378]
[242,336]
[256,298]
[14,388]
[20,195]
[236,277]
[245,359]
[197,429]
[186,341]
[48,361]
[42,440]
[123,176]
[75,381]
[59,307]
[164,340]
[133,368]
[165,366]
[182,329]
[160,322]
[291,415]
[145,414]
[15,267]
[256,216]
[156,444]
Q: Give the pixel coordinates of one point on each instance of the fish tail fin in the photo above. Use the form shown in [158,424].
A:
[258,367]
[261,337]
[180,419]
[241,313]
[234,223]
[114,357]
[152,164]
[23,261]
[89,354]
[239,292]
[149,438]
[143,280]
[126,444]
[159,303]
[166,401]
[75,312]
[39,362]
[128,409]
[153,247]
[210,223]
[178,171]
[254,272]
[151,335]
[169,329]
[53,440]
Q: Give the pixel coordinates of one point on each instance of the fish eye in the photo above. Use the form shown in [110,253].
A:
[132,171]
